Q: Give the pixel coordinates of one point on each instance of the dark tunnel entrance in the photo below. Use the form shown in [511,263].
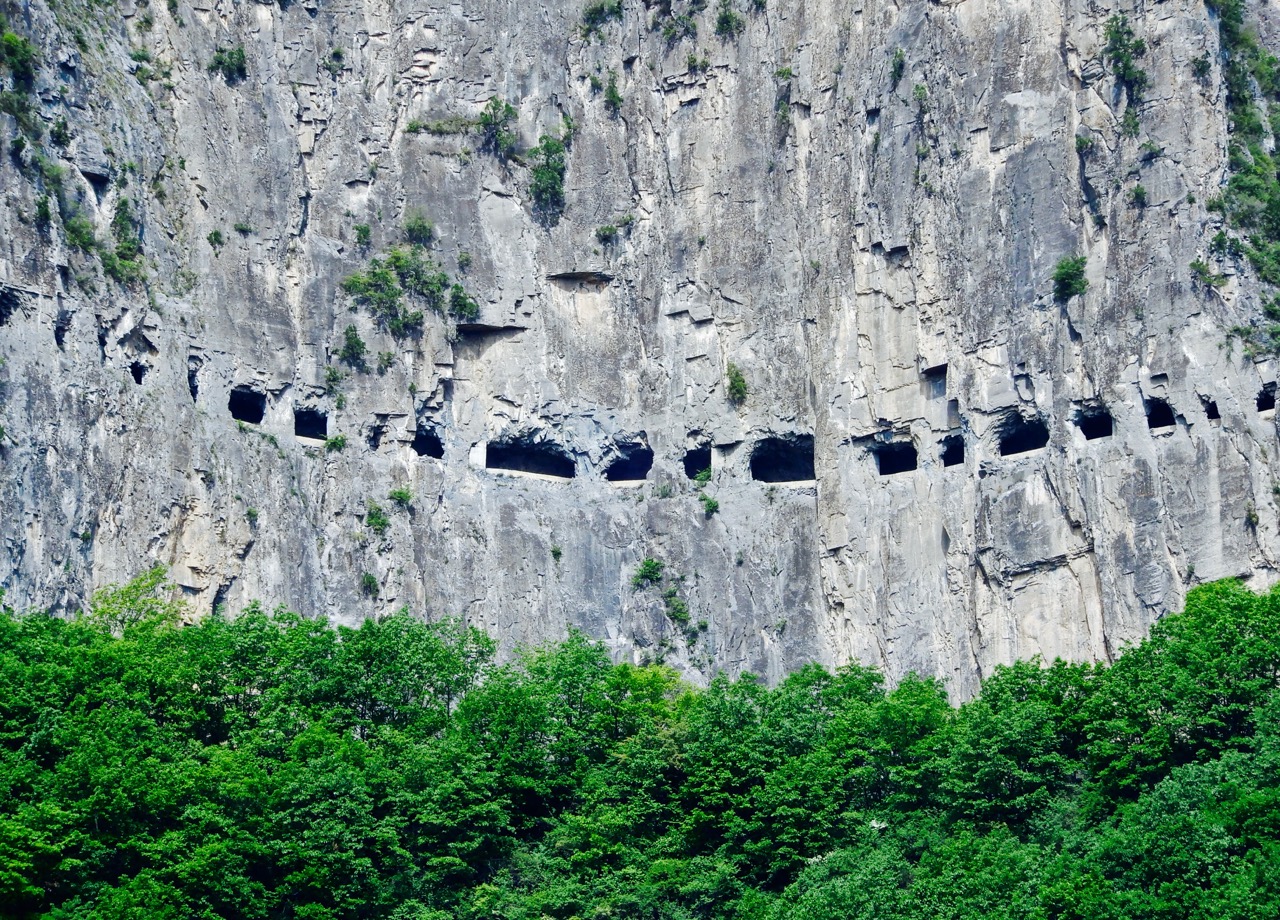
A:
[633,464]
[310,423]
[952,450]
[1095,422]
[247,405]
[1020,435]
[525,455]
[1159,414]
[697,459]
[427,443]
[1267,398]
[896,457]
[783,459]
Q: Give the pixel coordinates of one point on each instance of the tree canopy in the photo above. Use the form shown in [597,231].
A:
[270,766]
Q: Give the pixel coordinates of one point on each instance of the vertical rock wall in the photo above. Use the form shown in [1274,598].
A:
[870,242]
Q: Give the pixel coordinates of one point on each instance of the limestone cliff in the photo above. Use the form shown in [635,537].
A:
[938,465]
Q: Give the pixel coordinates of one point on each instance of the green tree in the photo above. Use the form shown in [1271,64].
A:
[496,132]
[1068,278]
[546,184]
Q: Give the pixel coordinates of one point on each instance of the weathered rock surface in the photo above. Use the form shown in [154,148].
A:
[876,259]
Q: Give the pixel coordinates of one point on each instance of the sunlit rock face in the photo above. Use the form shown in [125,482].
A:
[937,467]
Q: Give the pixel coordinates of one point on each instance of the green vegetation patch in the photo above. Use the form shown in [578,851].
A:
[546,182]
[18,56]
[649,572]
[353,350]
[599,14]
[1251,201]
[230,63]
[122,260]
[737,383]
[1068,278]
[496,132]
[1250,204]
[268,765]
[728,23]
[408,272]
[1122,50]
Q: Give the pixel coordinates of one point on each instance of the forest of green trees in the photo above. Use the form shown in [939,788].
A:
[270,766]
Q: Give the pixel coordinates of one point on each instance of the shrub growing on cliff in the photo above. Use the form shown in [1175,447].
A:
[897,67]
[376,288]
[597,14]
[678,27]
[60,133]
[44,212]
[546,185]
[1068,278]
[1251,201]
[403,272]
[353,350]
[79,231]
[376,519]
[418,275]
[675,606]
[1122,50]
[1201,272]
[737,383]
[728,22]
[649,572]
[122,262]
[496,133]
[612,97]
[461,304]
[418,230]
[401,496]
[19,56]
[231,63]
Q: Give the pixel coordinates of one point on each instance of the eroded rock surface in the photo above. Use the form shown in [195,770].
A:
[875,254]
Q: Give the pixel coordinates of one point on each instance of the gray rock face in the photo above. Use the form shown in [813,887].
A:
[937,467]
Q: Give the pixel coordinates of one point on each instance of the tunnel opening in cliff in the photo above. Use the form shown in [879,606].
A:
[783,459]
[193,377]
[935,381]
[633,463]
[1211,410]
[310,423]
[139,372]
[1159,414]
[1266,400]
[1095,422]
[427,443]
[1020,435]
[9,304]
[247,405]
[525,455]
[61,324]
[896,457]
[952,450]
[697,459]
